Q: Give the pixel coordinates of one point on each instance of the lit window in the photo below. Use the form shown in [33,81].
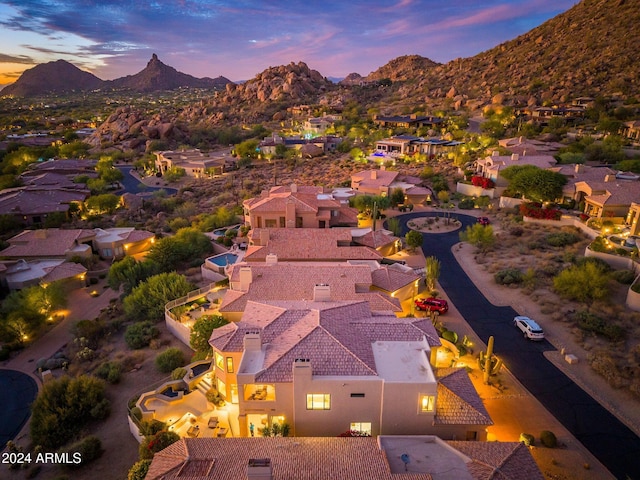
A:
[219,361]
[363,428]
[427,403]
[229,364]
[318,401]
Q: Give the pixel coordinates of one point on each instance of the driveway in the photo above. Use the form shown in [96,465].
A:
[608,439]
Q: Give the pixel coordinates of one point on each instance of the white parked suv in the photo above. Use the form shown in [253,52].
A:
[529,328]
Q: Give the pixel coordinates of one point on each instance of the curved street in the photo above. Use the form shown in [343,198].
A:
[608,439]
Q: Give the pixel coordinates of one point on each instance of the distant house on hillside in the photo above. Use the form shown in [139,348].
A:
[407,121]
[31,205]
[383,182]
[194,162]
[526,146]
[400,145]
[308,147]
[491,166]
[298,207]
[631,130]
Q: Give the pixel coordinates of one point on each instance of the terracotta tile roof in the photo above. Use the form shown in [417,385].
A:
[295,458]
[64,270]
[457,401]
[277,202]
[390,279]
[296,281]
[54,242]
[383,178]
[620,192]
[310,244]
[499,460]
[33,200]
[375,239]
[336,336]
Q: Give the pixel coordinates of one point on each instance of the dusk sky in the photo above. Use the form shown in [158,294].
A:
[238,39]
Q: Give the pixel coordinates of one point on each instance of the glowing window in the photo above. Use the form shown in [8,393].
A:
[427,403]
[318,401]
[363,428]
[229,364]
[219,361]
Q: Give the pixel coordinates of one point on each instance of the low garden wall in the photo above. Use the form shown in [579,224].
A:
[473,191]
[633,298]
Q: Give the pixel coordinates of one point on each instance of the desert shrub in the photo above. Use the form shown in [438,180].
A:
[450,336]
[527,439]
[139,470]
[149,428]
[625,277]
[92,330]
[592,323]
[109,371]
[159,441]
[602,363]
[561,239]
[214,397]
[178,373]
[548,439]
[140,334]
[462,350]
[64,406]
[466,204]
[585,281]
[136,413]
[516,231]
[601,264]
[89,448]
[508,276]
[598,245]
[170,359]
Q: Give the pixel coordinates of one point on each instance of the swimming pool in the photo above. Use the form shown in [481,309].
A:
[223,259]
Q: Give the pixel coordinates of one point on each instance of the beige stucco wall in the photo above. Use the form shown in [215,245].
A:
[401,413]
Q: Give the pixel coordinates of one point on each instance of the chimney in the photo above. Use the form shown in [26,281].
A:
[259,469]
[374,174]
[514,156]
[495,153]
[520,139]
[321,293]
[264,236]
[609,178]
[245,278]
[383,168]
[253,341]
[294,188]
[302,366]
[271,259]
[40,234]
[579,168]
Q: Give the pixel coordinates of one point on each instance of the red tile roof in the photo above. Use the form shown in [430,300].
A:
[54,242]
[458,402]
[295,458]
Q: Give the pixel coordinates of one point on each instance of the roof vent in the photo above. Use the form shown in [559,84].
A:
[321,293]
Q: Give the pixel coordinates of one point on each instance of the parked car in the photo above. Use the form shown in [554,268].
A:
[484,220]
[529,328]
[432,305]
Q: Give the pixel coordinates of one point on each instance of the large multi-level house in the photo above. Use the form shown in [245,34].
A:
[298,207]
[409,145]
[326,367]
[408,121]
[382,182]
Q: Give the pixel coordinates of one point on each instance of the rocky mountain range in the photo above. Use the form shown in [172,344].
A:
[61,77]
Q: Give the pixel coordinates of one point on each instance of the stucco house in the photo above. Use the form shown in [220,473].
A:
[362,458]
[289,281]
[491,166]
[297,207]
[407,121]
[58,243]
[325,367]
[32,204]
[194,162]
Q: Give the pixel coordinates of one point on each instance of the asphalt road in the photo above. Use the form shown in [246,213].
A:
[17,392]
[608,439]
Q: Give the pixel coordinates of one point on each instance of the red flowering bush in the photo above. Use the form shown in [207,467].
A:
[535,210]
[483,182]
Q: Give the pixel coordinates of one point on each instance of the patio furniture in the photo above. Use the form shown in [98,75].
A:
[222,432]
[213,422]
[193,431]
